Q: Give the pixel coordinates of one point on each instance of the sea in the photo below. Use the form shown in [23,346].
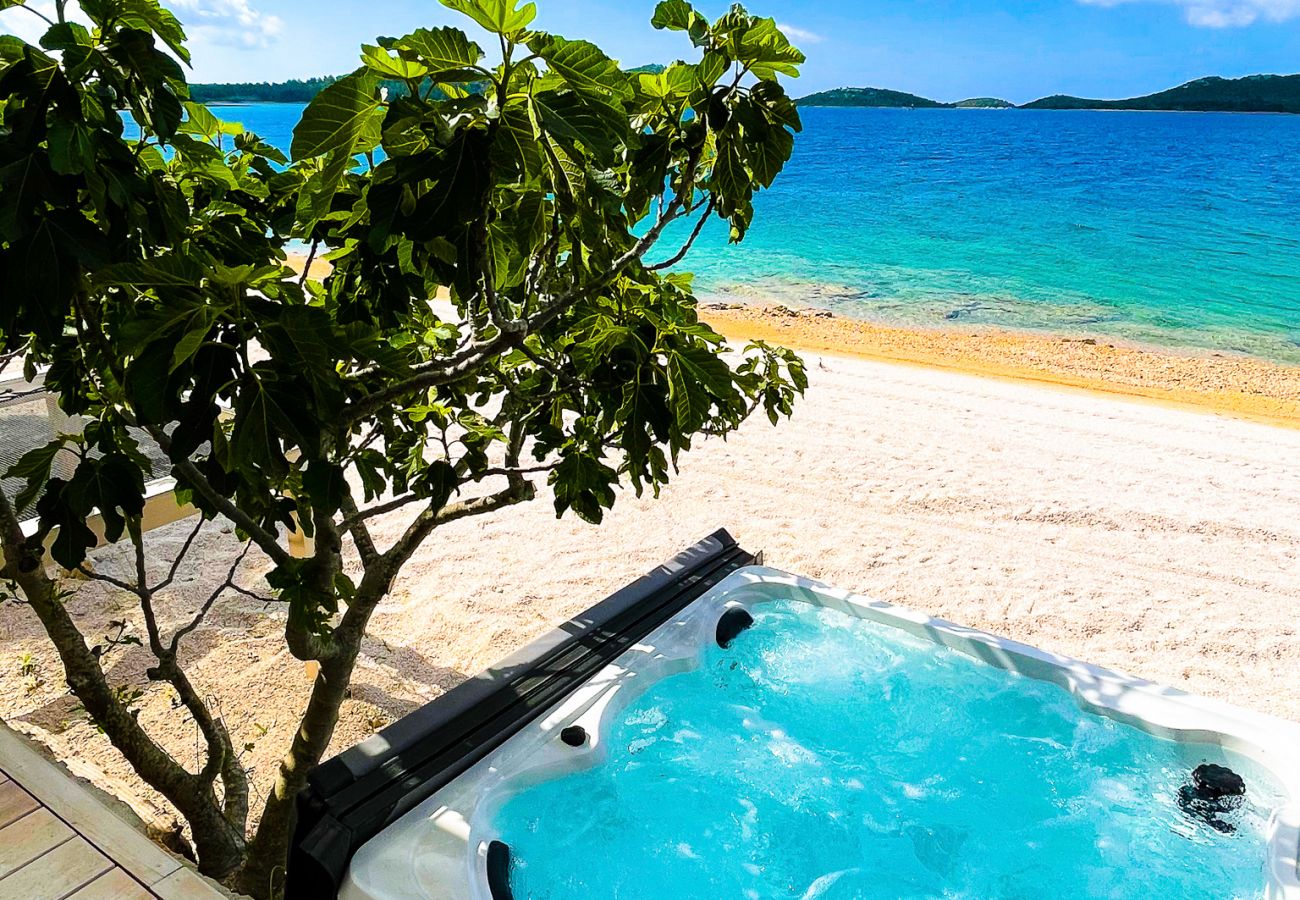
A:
[1178,230]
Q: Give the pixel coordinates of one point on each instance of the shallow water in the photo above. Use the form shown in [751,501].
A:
[1170,228]
[1178,229]
[822,756]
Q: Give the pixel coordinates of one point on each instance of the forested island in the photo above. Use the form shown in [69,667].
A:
[1254,93]
[881,97]
[301,90]
[867,96]
[293,91]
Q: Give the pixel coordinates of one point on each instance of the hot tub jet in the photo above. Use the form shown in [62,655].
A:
[732,623]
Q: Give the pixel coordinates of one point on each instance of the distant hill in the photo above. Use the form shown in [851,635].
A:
[305,90]
[1254,93]
[984,103]
[295,91]
[869,97]
[880,97]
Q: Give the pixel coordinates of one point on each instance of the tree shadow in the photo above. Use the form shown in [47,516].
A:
[412,664]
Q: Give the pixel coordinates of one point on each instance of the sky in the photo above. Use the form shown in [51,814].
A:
[943,49]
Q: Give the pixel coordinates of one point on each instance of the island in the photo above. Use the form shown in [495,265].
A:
[867,96]
[984,103]
[304,90]
[1253,93]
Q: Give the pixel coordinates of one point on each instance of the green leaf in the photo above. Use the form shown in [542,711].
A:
[165,112]
[44,272]
[697,377]
[325,485]
[508,265]
[447,53]
[317,193]
[674,15]
[516,147]
[190,342]
[776,105]
[729,175]
[497,16]
[72,147]
[74,537]
[148,387]
[380,61]
[113,485]
[301,340]
[200,121]
[583,483]
[34,468]
[65,36]
[437,482]
[578,123]
[162,271]
[25,181]
[585,69]
[765,50]
[337,118]
[150,16]
[255,438]
[453,184]
[690,403]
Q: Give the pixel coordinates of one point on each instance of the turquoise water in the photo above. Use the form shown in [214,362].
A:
[1168,228]
[1178,229]
[822,757]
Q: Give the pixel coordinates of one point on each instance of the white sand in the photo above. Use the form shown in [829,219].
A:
[1143,538]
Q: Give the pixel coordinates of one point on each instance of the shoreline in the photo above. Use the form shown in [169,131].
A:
[1242,387]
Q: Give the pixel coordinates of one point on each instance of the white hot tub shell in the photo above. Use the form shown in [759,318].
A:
[440,848]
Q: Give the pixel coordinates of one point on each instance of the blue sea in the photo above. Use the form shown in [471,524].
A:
[1173,229]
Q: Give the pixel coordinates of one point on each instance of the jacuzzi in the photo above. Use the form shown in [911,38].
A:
[490,790]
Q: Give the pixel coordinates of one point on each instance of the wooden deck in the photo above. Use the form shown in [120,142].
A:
[57,840]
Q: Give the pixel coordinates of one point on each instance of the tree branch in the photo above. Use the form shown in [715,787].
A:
[180,556]
[10,355]
[681,254]
[206,606]
[266,540]
[8,395]
[439,372]
[355,525]
[311,257]
[360,515]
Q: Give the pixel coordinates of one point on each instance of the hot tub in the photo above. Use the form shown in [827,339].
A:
[724,729]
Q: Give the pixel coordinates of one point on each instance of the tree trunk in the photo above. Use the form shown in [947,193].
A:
[219,845]
[268,851]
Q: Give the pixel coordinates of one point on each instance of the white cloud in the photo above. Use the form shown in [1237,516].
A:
[26,26]
[1223,13]
[230,22]
[800,34]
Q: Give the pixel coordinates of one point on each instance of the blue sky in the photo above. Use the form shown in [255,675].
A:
[945,49]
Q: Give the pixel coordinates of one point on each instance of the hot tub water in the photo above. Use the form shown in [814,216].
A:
[825,756]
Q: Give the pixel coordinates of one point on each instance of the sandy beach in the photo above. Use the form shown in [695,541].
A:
[1240,386]
[1149,537]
